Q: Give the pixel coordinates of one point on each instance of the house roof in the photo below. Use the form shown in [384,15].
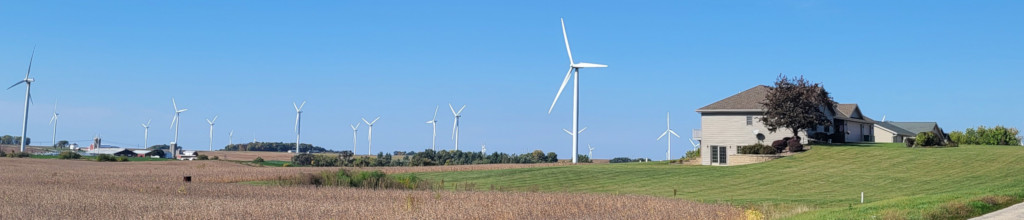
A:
[748,100]
[896,129]
[846,112]
[913,127]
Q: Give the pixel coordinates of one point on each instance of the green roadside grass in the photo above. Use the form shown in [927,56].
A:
[823,183]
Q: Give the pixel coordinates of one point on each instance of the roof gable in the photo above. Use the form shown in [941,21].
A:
[915,127]
[749,100]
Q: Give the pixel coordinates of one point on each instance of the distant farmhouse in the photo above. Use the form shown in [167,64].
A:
[735,121]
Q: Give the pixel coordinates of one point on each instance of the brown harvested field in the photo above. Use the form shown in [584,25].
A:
[61,189]
[6,148]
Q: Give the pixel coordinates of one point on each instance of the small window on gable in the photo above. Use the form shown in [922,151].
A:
[750,120]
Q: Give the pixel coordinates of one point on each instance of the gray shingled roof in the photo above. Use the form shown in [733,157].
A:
[846,109]
[748,100]
[897,129]
[913,127]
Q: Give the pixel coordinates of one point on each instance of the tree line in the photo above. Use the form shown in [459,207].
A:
[273,146]
[426,158]
[8,139]
[998,135]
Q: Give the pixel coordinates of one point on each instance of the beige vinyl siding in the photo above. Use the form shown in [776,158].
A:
[883,136]
[731,130]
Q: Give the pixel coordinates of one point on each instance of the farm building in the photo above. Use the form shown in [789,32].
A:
[112,151]
[188,155]
[897,132]
[735,121]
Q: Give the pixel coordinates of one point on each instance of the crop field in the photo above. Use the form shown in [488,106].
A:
[823,183]
[60,189]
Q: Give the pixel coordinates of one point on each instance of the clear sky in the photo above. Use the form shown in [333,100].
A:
[115,64]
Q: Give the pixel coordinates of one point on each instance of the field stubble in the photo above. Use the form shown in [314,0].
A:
[59,189]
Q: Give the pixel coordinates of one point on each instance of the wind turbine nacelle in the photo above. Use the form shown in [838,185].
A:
[588,65]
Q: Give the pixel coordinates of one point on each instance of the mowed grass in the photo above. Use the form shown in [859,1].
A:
[823,183]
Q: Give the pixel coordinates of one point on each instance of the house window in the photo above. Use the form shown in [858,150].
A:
[714,154]
[750,120]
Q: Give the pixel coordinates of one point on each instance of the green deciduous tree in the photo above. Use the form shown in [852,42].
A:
[796,104]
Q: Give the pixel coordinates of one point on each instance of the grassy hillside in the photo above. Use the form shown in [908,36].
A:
[825,182]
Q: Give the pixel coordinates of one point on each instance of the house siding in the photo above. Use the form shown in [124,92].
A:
[731,130]
[857,131]
[883,136]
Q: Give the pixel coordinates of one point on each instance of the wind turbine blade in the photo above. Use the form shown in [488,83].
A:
[30,98]
[463,108]
[144,125]
[175,104]
[15,84]
[560,89]
[30,58]
[674,133]
[364,121]
[584,129]
[53,118]
[662,135]
[150,121]
[296,106]
[375,120]
[214,119]
[566,37]
[175,119]
[435,113]
[300,106]
[352,126]
[452,108]
[183,110]
[692,143]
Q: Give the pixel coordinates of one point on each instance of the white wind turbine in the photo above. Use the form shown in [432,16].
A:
[455,127]
[145,140]
[53,121]
[483,149]
[298,123]
[696,146]
[369,136]
[570,133]
[231,137]
[355,129]
[28,97]
[211,130]
[573,67]
[433,123]
[591,154]
[668,130]
[175,122]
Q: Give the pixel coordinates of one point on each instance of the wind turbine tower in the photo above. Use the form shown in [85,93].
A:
[369,136]
[355,130]
[28,97]
[298,124]
[175,122]
[668,130]
[591,154]
[455,128]
[433,123]
[53,121]
[145,140]
[573,67]
[211,130]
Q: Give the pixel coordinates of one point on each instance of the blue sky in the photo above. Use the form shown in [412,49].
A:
[113,65]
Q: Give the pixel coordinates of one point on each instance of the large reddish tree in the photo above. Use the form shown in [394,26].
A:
[796,104]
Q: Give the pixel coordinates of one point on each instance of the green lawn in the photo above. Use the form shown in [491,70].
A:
[823,183]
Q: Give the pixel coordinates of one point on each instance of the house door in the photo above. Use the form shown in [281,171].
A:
[718,155]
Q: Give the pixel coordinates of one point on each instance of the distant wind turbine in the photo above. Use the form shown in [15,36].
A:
[591,154]
[53,121]
[668,130]
[696,145]
[369,136]
[570,133]
[455,128]
[433,123]
[28,97]
[355,130]
[231,138]
[573,67]
[175,122]
[145,140]
[211,130]
[298,124]
[483,149]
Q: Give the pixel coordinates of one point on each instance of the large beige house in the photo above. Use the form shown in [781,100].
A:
[735,121]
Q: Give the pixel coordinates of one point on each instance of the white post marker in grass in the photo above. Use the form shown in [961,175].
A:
[861,197]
